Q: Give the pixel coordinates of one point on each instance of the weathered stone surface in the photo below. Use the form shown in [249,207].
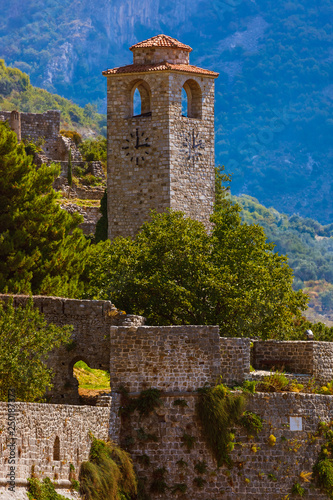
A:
[37,427]
[260,471]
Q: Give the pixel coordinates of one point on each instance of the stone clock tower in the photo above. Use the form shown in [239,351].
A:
[161,156]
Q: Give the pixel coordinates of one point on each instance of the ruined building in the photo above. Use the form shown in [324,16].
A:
[159,157]
[44,130]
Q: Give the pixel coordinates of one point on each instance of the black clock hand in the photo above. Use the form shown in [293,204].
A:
[143,146]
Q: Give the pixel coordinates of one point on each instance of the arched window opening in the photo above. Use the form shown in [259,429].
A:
[92,382]
[194,99]
[56,449]
[140,99]
[136,103]
[184,103]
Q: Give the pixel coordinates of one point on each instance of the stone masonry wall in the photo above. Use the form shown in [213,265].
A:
[36,428]
[91,320]
[159,159]
[323,361]
[192,151]
[309,357]
[259,471]
[180,358]
[296,357]
[235,359]
[149,55]
[37,125]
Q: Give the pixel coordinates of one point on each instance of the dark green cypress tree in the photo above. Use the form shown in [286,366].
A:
[41,249]
[101,233]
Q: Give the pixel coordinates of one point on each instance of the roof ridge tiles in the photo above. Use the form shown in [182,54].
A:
[163,41]
[159,66]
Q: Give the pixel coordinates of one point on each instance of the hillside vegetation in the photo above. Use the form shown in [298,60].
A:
[16,92]
[308,245]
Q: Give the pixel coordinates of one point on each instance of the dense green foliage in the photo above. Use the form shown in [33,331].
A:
[41,249]
[25,342]
[108,474]
[172,272]
[308,245]
[94,150]
[323,468]
[218,411]
[310,257]
[43,490]
[16,92]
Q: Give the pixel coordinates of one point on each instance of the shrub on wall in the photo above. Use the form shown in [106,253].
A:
[218,411]
[108,474]
[43,490]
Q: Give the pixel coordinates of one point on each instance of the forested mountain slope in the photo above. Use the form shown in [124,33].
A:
[308,245]
[274,95]
[16,92]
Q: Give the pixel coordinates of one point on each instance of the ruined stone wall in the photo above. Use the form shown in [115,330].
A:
[235,359]
[296,357]
[91,320]
[180,358]
[36,428]
[323,361]
[259,470]
[175,358]
[309,357]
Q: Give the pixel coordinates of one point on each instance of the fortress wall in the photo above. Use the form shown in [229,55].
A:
[91,320]
[36,125]
[36,429]
[297,357]
[235,359]
[177,358]
[259,470]
[323,361]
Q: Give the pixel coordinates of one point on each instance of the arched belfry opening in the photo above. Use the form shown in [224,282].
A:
[191,99]
[140,99]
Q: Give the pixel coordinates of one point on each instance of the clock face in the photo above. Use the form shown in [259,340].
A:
[137,147]
[193,145]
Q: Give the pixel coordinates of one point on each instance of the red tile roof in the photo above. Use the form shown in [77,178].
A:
[163,66]
[161,41]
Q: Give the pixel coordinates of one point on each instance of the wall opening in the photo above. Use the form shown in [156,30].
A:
[193,99]
[136,103]
[184,102]
[92,382]
[56,449]
[140,99]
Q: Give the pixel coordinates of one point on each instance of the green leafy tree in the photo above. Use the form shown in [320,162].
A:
[41,249]
[173,272]
[25,343]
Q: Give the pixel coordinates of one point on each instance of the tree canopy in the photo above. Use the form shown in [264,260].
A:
[41,249]
[173,272]
[25,342]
